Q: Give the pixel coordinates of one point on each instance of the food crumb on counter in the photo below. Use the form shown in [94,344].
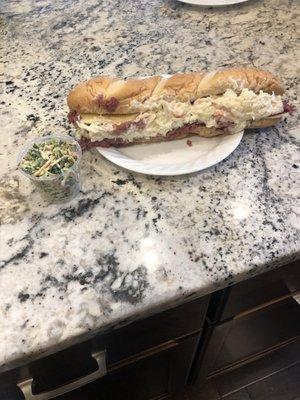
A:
[13,203]
[189,143]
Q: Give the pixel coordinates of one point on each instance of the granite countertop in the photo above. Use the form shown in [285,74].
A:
[130,244]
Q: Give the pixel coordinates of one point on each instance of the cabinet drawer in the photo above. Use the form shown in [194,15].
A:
[154,376]
[142,335]
[256,291]
[238,340]
[151,374]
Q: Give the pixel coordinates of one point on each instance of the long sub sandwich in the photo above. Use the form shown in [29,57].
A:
[115,112]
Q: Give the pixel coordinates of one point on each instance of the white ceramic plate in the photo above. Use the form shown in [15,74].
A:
[174,157]
[213,3]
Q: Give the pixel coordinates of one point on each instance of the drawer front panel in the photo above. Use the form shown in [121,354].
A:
[153,331]
[159,374]
[128,341]
[255,292]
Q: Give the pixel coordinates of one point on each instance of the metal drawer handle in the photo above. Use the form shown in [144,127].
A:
[101,371]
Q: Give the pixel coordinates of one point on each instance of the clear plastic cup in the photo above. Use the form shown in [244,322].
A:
[58,188]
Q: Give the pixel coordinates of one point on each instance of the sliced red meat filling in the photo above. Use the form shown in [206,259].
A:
[120,128]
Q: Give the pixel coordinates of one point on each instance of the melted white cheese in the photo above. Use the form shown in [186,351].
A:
[162,116]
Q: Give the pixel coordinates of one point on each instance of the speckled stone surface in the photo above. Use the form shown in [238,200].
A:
[130,245]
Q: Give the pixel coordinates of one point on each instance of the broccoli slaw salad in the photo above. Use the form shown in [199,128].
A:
[52,163]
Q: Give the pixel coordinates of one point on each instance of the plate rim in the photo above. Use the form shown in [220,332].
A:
[220,4]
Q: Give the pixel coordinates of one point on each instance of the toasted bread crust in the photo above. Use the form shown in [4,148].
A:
[182,87]
[237,79]
[106,95]
[92,96]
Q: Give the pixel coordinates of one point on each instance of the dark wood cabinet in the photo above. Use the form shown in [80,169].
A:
[255,292]
[239,340]
[151,356]
[248,321]
[281,359]
[155,375]
[153,331]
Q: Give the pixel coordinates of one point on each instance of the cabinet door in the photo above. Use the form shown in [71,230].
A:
[241,340]
[155,375]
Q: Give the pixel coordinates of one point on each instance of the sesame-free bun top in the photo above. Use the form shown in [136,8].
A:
[106,95]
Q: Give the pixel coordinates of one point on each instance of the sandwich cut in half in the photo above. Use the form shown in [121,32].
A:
[116,112]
